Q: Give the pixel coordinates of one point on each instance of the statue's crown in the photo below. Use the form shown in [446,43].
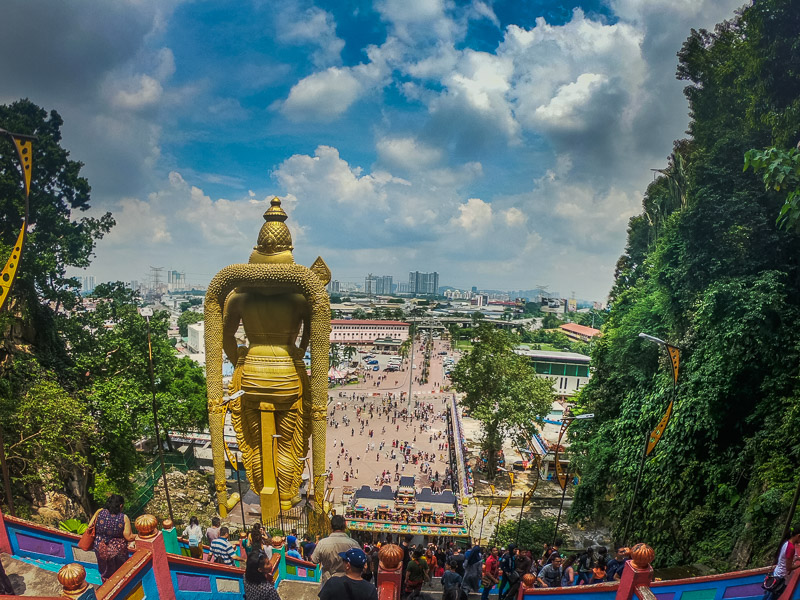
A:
[274,236]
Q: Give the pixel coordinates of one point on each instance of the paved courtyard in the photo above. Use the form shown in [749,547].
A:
[350,447]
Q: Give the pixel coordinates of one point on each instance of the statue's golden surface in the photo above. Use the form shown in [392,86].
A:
[284,308]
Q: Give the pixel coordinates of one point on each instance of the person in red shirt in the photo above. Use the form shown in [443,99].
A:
[786,562]
[491,573]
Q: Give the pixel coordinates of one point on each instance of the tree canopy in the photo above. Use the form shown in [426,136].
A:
[707,269]
[75,393]
[502,391]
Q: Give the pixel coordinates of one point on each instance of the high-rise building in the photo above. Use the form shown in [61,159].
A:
[334,287]
[370,284]
[380,285]
[176,281]
[87,284]
[424,284]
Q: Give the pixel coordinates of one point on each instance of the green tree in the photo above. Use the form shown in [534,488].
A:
[359,314]
[717,277]
[550,321]
[58,236]
[186,319]
[349,352]
[533,533]
[502,391]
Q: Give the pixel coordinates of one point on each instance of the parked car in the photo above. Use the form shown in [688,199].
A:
[372,362]
[376,368]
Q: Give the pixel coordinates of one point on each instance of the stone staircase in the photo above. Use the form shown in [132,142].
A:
[301,590]
[30,580]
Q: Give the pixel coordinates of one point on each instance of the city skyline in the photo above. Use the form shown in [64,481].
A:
[504,143]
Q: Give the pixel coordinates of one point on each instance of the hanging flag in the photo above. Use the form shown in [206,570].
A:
[656,434]
[10,270]
[25,152]
[675,357]
[506,501]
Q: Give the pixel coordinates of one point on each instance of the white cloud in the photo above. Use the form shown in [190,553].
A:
[408,153]
[567,109]
[314,27]
[146,91]
[514,217]
[475,217]
[323,96]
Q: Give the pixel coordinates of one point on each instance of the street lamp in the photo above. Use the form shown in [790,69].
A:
[147,312]
[563,477]
[652,438]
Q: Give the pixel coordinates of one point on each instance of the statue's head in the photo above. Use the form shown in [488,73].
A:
[274,240]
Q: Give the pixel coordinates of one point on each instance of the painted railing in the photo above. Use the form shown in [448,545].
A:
[149,573]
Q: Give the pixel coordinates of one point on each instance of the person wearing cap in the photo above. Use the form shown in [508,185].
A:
[351,586]
[327,552]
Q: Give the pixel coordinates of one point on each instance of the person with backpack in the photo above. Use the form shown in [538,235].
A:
[585,564]
[568,571]
[508,566]
[194,535]
[491,573]
[785,563]
[451,582]
[550,575]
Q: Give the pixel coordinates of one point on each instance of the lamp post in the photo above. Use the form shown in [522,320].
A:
[652,438]
[563,477]
[275,437]
[147,312]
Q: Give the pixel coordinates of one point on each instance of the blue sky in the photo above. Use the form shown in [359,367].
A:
[503,144]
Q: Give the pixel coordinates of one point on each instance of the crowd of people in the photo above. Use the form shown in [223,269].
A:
[479,569]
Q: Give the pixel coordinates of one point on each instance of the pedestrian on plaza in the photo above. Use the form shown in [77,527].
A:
[212,532]
[451,582]
[585,564]
[785,562]
[551,574]
[194,536]
[221,548]
[258,579]
[112,529]
[491,573]
[568,571]
[351,585]
[327,552]
[615,566]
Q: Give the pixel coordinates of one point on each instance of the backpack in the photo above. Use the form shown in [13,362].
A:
[194,541]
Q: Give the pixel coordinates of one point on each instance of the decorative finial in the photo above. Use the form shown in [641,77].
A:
[72,578]
[390,556]
[146,525]
[275,212]
[642,556]
[274,237]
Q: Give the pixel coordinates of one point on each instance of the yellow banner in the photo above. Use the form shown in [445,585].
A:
[675,357]
[656,434]
[25,151]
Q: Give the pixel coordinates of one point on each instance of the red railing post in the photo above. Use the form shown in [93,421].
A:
[637,572]
[150,538]
[5,543]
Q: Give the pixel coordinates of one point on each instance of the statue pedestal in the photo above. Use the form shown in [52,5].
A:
[270,503]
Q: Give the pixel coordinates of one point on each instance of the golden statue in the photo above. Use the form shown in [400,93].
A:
[277,302]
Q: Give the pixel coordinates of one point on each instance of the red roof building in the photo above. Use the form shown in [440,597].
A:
[579,333]
[357,332]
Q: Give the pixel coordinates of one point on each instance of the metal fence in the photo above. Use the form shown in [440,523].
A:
[145,481]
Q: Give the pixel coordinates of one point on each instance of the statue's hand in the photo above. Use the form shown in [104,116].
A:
[241,353]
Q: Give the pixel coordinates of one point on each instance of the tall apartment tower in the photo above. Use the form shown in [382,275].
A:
[424,284]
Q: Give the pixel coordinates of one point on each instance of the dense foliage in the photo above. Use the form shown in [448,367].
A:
[534,534]
[75,392]
[707,268]
[502,391]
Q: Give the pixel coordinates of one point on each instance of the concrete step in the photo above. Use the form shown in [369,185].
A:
[298,590]
[30,580]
